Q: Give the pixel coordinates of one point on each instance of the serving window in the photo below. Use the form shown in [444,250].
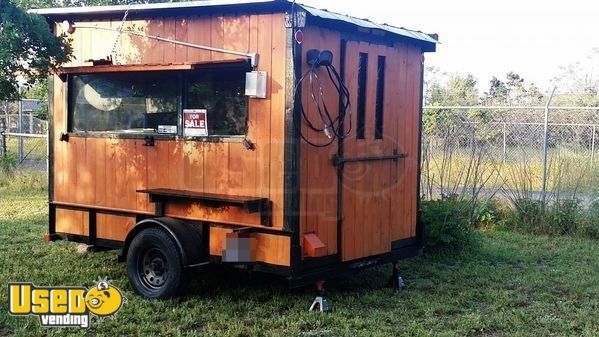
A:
[153,102]
[222,94]
[121,102]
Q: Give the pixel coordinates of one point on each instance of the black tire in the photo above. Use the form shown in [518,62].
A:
[155,265]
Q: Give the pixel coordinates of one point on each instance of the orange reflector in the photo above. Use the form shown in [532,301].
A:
[313,246]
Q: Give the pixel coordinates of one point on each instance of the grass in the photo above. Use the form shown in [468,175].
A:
[23,179]
[568,171]
[33,148]
[516,285]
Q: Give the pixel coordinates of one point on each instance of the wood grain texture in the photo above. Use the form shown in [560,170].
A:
[59,150]
[399,191]
[152,51]
[112,227]
[217,36]
[260,39]
[349,225]
[379,198]
[264,244]
[128,51]
[68,221]
[318,177]
[99,149]
[181,34]
[415,56]
[277,119]
[86,44]
[169,33]
[100,41]
[107,172]
[199,32]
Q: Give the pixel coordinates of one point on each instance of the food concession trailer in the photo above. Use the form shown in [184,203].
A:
[259,133]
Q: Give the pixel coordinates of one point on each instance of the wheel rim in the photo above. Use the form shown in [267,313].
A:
[153,268]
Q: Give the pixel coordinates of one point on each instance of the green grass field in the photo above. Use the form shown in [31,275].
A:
[567,171]
[33,148]
[516,285]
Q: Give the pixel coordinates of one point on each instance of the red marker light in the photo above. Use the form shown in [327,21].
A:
[299,36]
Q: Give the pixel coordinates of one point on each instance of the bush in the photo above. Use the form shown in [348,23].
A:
[560,217]
[447,225]
[8,163]
[24,179]
[564,216]
[488,214]
[590,225]
[527,215]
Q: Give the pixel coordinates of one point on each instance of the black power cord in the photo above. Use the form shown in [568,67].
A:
[332,127]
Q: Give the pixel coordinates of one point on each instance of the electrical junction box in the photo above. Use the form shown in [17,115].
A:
[255,84]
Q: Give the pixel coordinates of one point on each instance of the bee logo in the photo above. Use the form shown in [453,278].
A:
[104,299]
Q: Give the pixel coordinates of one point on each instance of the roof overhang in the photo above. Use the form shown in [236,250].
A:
[339,21]
[132,68]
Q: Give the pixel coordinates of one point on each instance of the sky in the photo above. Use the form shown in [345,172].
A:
[490,38]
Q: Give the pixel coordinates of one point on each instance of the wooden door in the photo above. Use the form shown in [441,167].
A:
[371,152]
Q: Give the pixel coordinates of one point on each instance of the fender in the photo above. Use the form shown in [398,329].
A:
[189,238]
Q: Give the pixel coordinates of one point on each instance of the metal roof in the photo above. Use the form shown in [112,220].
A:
[429,40]
[364,23]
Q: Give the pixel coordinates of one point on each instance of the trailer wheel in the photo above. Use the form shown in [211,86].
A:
[155,266]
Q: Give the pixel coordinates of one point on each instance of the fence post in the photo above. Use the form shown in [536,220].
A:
[593,145]
[20,130]
[504,142]
[2,138]
[545,136]
[31,122]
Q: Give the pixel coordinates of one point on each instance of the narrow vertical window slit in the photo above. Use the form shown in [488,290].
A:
[362,77]
[380,98]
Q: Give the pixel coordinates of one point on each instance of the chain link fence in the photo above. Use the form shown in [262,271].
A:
[465,149]
[23,132]
[501,150]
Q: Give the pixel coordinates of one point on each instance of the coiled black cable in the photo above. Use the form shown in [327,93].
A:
[332,127]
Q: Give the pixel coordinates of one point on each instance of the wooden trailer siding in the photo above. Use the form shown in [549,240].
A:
[310,212]
[112,227]
[106,172]
[399,207]
[318,178]
[71,222]
[269,248]
[378,197]
[374,228]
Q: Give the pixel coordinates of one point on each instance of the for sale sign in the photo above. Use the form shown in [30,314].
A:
[195,123]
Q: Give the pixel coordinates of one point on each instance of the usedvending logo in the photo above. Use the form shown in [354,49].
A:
[65,306]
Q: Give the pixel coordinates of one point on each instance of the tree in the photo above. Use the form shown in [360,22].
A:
[39,90]
[497,94]
[461,90]
[578,83]
[514,80]
[447,90]
[28,50]
[515,88]
[512,91]
[534,96]
[432,83]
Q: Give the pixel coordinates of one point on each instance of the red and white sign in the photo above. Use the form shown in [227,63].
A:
[195,123]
